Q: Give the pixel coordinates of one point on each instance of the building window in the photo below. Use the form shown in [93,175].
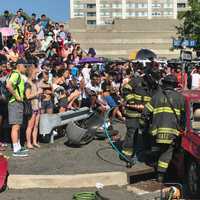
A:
[156,14]
[130,5]
[167,13]
[79,14]
[91,22]
[79,6]
[91,5]
[91,14]
[130,14]
[105,14]
[145,14]
[142,5]
[117,14]
[142,14]
[114,14]
[168,5]
[104,5]
[117,5]
[156,5]
[181,5]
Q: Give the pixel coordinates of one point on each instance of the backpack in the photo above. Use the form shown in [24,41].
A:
[4,93]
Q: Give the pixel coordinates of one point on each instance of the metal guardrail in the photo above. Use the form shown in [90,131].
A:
[49,122]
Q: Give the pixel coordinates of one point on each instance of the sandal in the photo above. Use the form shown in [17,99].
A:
[30,147]
[36,146]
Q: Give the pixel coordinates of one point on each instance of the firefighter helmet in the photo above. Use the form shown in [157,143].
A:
[152,77]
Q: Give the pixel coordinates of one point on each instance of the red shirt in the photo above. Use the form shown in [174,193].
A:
[181,81]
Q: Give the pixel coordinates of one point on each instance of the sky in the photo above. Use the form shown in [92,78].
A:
[57,10]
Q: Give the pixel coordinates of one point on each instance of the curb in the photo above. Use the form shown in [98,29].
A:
[67,181]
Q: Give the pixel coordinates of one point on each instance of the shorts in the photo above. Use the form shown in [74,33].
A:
[110,101]
[15,113]
[47,105]
[63,102]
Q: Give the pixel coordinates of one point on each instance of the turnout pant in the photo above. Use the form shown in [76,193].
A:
[165,153]
[132,125]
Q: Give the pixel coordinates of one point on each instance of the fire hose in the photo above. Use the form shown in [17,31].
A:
[106,131]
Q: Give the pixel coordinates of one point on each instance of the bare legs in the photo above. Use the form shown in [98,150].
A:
[32,131]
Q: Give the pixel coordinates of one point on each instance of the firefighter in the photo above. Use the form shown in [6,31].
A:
[136,94]
[166,113]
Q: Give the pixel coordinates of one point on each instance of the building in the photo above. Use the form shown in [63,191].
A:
[99,12]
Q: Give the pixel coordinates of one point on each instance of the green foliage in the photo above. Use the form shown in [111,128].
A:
[181,14]
[190,27]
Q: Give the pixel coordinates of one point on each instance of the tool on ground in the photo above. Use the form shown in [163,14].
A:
[89,196]
[49,122]
[173,192]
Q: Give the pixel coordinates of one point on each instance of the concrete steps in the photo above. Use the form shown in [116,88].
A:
[121,41]
[124,46]
[80,36]
[124,36]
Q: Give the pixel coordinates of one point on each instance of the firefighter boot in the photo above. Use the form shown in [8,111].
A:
[160,177]
[128,157]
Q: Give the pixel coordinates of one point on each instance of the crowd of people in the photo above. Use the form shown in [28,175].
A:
[41,65]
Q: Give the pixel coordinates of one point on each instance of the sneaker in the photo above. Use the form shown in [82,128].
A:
[24,149]
[20,154]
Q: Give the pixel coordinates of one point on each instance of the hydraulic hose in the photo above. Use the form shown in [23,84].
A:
[84,196]
[106,131]
[89,196]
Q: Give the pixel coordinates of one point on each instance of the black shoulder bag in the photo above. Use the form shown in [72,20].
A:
[27,107]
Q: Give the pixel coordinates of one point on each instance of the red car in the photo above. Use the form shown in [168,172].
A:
[3,173]
[187,161]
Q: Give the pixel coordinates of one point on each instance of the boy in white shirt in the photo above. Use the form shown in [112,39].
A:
[195,79]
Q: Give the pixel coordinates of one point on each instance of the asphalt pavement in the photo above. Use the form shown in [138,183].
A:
[112,193]
[58,159]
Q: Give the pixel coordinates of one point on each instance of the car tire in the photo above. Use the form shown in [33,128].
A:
[193,178]
[5,184]
[46,139]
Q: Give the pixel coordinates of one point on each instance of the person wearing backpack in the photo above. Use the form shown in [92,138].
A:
[16,86]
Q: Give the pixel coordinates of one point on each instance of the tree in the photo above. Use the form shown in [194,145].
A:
[190,27]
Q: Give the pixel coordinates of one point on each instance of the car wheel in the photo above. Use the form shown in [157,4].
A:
[193,178]
[5,184]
